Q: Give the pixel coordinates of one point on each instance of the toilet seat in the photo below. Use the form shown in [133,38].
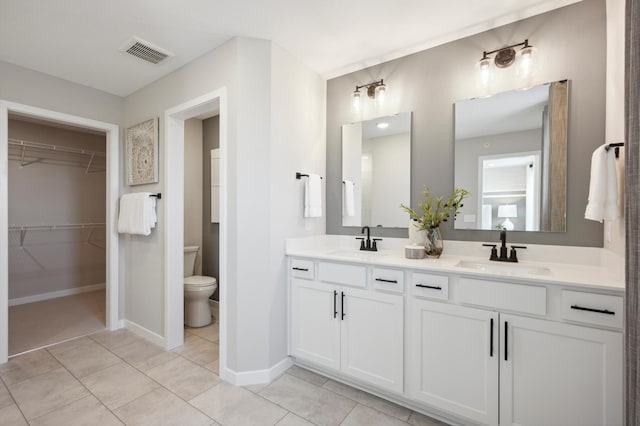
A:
[199,281]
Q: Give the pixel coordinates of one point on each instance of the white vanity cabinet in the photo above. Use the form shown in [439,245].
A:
[465,359]
[454,359]
[474,349]
[357,331]
[559,374]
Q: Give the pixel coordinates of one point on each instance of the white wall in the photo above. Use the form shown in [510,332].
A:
[193,187]
[33,88]
[614,233]
[298,143]
[275,127]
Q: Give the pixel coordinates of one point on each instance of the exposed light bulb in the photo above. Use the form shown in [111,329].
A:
[356,100]
[381,94]
[526,61]
[485,71]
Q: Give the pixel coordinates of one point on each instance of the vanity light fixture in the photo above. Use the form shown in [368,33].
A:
[376,90]
[382,125]
[506,56]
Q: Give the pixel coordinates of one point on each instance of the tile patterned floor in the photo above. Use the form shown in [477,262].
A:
[115,378]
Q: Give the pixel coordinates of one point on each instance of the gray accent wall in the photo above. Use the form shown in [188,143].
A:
[210,231]
[570,44]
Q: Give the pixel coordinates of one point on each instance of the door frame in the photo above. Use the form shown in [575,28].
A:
[112,132]
[174,217]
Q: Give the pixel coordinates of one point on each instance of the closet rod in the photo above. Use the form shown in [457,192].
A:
[50,147]
[56,227]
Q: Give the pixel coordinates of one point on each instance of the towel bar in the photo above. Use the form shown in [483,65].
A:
[301,175]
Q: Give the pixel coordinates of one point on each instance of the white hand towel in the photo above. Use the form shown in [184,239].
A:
[349,201]
[137,213]
[603,187]
[313,196]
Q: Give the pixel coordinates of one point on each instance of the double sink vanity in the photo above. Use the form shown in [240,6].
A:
[462,338]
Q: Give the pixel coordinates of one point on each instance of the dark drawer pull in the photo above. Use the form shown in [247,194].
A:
[600,311]
[300,269]
[435,287]
[387,281]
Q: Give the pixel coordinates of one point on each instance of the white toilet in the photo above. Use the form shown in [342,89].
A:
[197,290]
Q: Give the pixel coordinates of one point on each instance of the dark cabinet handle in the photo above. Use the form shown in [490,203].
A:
[435,287]
[600,311]
[342,305]
[491,340]
[387,281]
[300,269]
[506,339]
[335,310]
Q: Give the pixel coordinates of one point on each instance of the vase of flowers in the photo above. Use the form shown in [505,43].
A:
[434,212]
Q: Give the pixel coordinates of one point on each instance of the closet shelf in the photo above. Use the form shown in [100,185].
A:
[55,227]
[28,153]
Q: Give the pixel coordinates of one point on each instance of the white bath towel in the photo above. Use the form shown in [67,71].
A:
[313,196]
[137,213]
[349,201]
[603,187]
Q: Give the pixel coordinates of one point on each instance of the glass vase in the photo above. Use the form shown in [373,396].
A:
[434,244]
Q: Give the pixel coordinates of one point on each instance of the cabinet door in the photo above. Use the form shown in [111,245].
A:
[315,322]
[559,374]
[372,337]
[453,359]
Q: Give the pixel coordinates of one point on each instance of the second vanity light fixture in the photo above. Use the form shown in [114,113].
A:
[376,90]
[506,56]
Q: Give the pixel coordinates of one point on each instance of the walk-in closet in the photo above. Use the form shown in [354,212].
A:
[56,212]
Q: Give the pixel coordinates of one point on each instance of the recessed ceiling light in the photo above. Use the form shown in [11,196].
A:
[383,125]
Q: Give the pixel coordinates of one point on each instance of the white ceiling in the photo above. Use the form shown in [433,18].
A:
[78,40]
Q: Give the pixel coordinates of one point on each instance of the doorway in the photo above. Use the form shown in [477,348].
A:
[208,105]
[111,133]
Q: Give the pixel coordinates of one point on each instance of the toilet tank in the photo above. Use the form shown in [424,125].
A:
[190,254]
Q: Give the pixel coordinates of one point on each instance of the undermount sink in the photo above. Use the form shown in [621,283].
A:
[358,254]
[503,268]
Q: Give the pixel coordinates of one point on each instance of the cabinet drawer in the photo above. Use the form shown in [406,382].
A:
[513,297]
[388,279]
[429,285]
[340,273]
[302,268]
[590,308]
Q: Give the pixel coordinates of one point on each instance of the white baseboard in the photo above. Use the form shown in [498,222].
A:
[55,294]
[145,333]
[256,377]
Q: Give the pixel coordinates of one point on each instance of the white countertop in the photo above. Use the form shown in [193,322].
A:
[584,267]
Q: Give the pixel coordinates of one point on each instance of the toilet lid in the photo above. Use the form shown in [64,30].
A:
[199,281]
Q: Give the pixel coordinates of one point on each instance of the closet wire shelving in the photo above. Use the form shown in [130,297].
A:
[28,153]
[23,229]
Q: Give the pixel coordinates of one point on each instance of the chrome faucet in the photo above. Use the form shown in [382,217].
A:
[513,255]
[370,244]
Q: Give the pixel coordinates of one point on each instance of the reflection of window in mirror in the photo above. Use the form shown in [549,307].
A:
[510,149]
[376,171]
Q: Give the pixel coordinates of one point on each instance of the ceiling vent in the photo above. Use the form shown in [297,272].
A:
[144,50]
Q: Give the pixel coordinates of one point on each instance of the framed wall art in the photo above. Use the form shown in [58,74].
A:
[142,152]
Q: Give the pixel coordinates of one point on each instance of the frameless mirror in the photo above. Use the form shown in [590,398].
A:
[511,154]
[376,171]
